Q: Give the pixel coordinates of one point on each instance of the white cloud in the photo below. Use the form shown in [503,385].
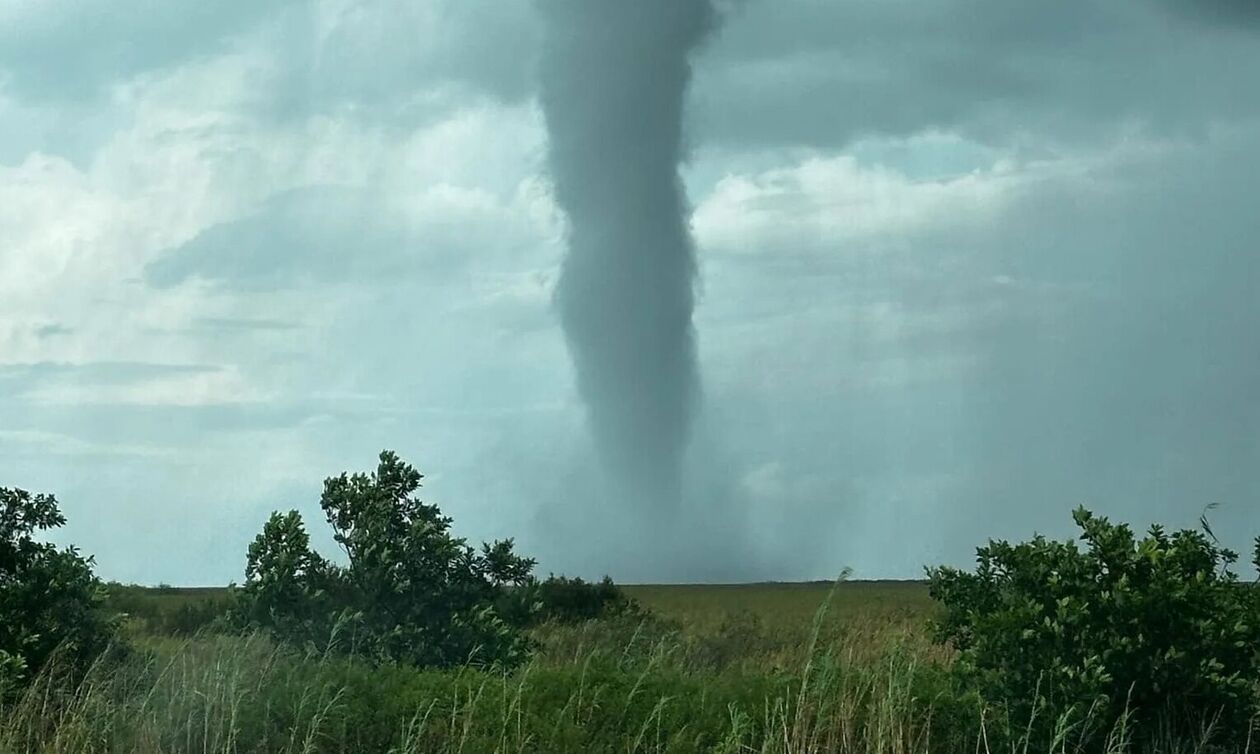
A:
[38,442]
[203,388]
[836,203]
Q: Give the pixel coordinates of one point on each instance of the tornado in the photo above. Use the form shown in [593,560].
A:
[613,78]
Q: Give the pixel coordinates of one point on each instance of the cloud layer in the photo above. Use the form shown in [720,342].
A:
[961,269]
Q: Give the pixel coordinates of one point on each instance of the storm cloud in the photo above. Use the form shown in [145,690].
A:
[947,270]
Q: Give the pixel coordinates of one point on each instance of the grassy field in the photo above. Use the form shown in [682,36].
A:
[709,669]
[790,603]
[766,626]
[696,608]
[800,599]
[736,669]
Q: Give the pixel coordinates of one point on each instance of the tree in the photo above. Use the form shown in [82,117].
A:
[1159,631]
[410,590]
[287,584]
[49,597]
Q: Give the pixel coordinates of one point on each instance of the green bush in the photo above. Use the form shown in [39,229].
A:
[561,599]
[572,600]
[49,597]
[411,591]
[1155,636]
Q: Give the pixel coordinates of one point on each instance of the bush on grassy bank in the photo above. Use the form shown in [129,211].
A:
[1156,635]
[561,599]
[411,591]
[49,596]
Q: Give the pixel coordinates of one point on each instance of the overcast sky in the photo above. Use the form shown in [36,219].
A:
[963,265]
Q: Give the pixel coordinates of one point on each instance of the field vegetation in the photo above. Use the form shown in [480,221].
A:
[1109,644]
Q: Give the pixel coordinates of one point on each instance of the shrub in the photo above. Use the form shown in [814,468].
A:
[561,599]
[410,592]
[49,597]
[290,590]
[572,600]
[1157,635]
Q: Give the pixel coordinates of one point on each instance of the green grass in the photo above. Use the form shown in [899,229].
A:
[783,609]
[738,673]
[244,694]
[788,601]
[178,611]
[783,603]
[754,669]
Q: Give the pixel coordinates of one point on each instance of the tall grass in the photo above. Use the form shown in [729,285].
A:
[214,694]
[626,686]
[220,694]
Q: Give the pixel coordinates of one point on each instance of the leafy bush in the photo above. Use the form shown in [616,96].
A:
[561,599]
[49,597]
[290,590]
[1157,635]
[411,591]
[571,600]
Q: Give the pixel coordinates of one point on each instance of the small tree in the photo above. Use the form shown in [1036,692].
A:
[287,583]
[572,600]
[49,597]
[410,591]
[1158,631]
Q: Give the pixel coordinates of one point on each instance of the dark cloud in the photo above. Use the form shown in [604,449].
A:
[1144,393]
[817,73]
[1092,342]
[1239,14]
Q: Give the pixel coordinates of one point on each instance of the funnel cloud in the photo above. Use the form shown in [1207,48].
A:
[613,79]
[966,265]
